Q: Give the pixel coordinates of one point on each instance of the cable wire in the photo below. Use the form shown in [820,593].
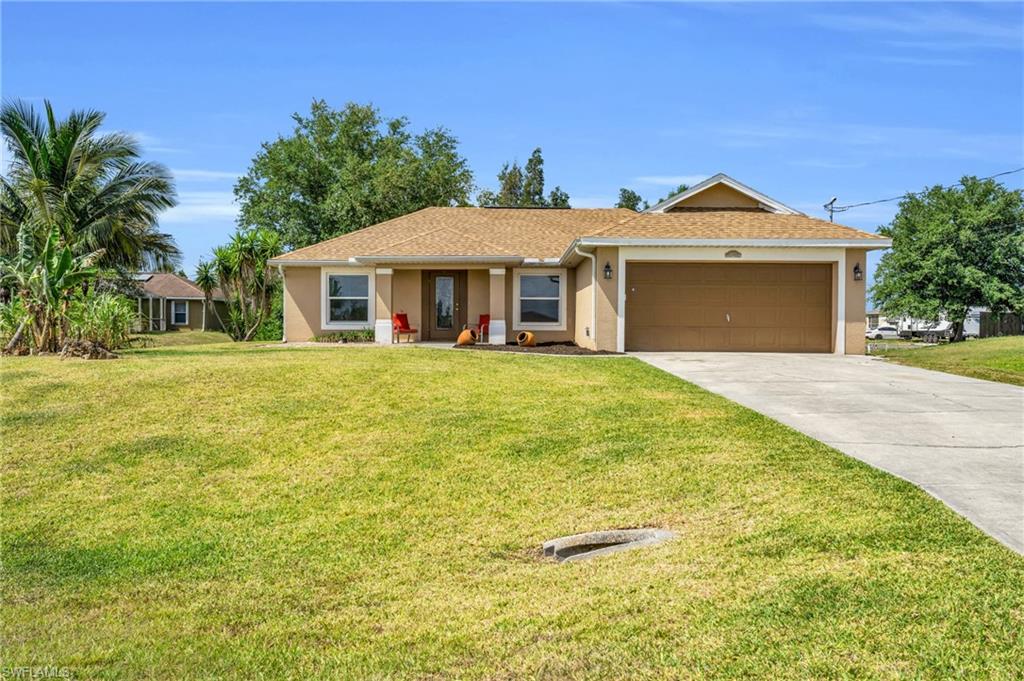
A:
[840,209]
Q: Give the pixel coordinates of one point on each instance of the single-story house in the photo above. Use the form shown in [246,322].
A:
[877,318]
[720,266]
[168,301]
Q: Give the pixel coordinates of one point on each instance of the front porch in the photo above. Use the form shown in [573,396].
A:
[438,299]
[440,303]
[151,315]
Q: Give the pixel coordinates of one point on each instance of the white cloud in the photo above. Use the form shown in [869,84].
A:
[203,175]
[877,140]
[827,164]
[921,61]
[670,180]
[919,22]
[198,207]
[152,143]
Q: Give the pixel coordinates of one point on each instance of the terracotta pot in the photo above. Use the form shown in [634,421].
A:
[526,339]
[467,337]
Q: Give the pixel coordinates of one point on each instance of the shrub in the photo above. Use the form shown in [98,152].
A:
[354,336]
[272,328]
[103,318]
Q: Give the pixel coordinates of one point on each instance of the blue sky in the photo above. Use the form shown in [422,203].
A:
[801,101]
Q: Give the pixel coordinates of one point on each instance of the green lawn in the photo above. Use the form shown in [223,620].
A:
[241,511]
[993,359]
[171,339]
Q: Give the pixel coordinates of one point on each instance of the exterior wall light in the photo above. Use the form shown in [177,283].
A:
[607,270]
[858,273]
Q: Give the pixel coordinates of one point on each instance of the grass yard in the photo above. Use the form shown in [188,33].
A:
[993,359]
[239,511]
[173,339]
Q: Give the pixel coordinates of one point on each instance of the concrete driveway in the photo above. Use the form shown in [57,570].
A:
[960,439]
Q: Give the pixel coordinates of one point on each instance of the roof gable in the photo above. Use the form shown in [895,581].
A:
[722,189]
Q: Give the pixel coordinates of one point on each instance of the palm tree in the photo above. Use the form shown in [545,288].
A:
[242,271]
[206,279]
[91,187]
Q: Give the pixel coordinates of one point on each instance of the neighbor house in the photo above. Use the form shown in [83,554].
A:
[877,318]
[167,301]
[720,266]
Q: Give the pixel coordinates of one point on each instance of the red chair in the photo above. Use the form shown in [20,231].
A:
[400,325]
[484,327]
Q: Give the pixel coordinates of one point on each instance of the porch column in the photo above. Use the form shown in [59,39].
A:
[840,342]
[383,305]
[497,307]
[151,314]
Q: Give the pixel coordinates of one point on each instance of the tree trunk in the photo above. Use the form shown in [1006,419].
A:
[223,326]
[255,327]
[958,332]
[16,338]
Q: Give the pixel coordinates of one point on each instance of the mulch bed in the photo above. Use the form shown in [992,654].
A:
[550,348]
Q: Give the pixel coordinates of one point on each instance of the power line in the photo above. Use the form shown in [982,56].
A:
[832,208]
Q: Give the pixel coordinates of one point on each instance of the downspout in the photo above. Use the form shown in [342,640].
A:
[593,291]
[284,301]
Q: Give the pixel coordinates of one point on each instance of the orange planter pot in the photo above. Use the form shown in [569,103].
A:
[526,339]
[467,337]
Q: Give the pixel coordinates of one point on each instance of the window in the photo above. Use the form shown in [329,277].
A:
[540,299]
[348,298]
[179,312]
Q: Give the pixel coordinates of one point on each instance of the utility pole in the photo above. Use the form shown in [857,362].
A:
[831,208]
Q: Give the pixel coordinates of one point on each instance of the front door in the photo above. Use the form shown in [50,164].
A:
[446,304]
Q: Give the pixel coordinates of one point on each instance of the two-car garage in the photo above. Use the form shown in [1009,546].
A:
[729,306]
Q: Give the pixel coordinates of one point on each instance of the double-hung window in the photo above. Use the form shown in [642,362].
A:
[179,312]
[539,299]
[347,299]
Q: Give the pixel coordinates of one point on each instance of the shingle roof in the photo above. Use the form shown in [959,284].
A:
[168,285]
[730,224]
[483,232]
[548,233]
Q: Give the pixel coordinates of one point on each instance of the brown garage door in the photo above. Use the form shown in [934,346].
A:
[762,307]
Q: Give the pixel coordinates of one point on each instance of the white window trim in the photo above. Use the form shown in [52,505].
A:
[174,320]
[325,301]
[517,323]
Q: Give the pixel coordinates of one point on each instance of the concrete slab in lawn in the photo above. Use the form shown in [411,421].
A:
[960,439]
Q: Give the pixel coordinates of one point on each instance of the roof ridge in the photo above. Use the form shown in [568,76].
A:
[623,221]
[186,280]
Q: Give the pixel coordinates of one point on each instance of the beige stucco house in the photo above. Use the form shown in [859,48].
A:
[718,267]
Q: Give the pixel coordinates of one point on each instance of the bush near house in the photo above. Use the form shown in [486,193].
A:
[355,336]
